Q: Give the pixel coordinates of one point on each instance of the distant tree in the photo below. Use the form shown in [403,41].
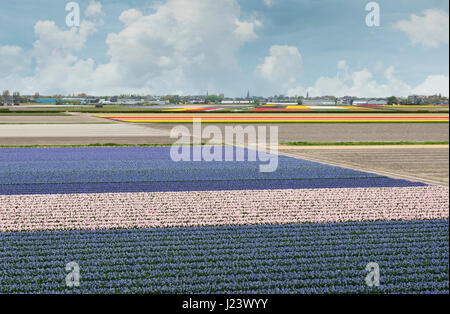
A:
[173,100]
[392,100]
[6,95]
[213,99]
[299,101]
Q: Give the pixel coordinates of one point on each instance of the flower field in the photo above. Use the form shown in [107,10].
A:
[345,108]
[191,209]
[137,222]
[307,258]
[278,118]
[134,169]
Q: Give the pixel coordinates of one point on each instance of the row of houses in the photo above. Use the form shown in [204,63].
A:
[230,102]
[163,100]
[332,102]
[92,100]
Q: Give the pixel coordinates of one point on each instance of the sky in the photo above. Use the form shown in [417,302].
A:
[190,47]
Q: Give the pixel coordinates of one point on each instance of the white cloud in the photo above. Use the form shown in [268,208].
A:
[52,38]
[282,69]
[359,83]
[130,16]
[362,84]
[183,46]
[57,69]
[176,54]
[429,30]
[433,84]
[94,9]
[342,65]
[246,30]
[269,3]
[13,59]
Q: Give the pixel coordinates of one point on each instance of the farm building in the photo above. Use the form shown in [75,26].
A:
[377,102]
[318,102]
[46,100]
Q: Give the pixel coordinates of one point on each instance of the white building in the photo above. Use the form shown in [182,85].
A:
[159,102]
[318,102]
[369,102]
[377,102]
[360,102]
[282,103]
[230,102]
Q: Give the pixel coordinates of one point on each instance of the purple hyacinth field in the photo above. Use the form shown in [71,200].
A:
[134,221]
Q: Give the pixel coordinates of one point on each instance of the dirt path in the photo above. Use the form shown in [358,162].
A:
[43,131]
[73,117]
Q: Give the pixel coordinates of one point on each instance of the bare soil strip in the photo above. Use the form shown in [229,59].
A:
[345,132]
[72,118]
[425,164]
[76,130]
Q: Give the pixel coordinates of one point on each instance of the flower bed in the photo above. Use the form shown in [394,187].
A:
[150,169]
[179,209]
[136,222]
[307,258]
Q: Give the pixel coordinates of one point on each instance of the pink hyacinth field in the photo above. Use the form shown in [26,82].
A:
[205,208]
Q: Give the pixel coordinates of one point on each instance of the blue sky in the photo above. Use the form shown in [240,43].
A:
[288,47]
